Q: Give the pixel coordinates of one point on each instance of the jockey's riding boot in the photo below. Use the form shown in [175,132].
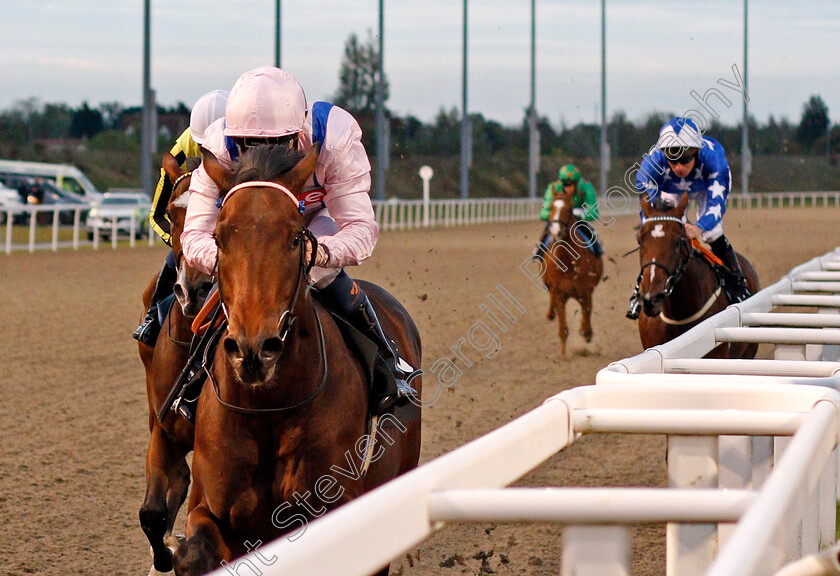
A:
[542,245]
[149,328]
[736,285]
[348,300]
[366,321]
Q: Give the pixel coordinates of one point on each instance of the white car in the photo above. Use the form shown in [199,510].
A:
[11,204]
[116,210]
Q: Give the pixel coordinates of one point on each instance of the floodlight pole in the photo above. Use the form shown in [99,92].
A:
[466,159]
[604,146]
[381,138]
[146,116]
[278,10]
[533,134]
[746,157]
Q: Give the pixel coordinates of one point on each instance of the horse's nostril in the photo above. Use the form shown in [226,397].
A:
[179,292]
[203,290]
[231,347]
[272,346]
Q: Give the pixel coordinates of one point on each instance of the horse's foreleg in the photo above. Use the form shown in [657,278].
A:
[550,314]
[204,549]
[563,327]
[156,514]
[586,317]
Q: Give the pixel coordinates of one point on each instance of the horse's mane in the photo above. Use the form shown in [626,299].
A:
[266,162]
[660,204]
[192,163]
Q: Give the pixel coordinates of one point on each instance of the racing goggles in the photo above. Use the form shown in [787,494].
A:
[567,182]
[247,142]
[680,155]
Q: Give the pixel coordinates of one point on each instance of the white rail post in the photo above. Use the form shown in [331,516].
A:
[132,231]
[54,238]
[692,463]
[735,463]
[77,221]
[9,220]
[596,551]
[33,222]
[426,174]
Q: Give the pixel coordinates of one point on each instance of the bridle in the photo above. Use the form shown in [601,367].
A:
[287,317]
[564,226]
[673,276]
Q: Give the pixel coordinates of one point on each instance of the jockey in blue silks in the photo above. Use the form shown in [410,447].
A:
[685,161]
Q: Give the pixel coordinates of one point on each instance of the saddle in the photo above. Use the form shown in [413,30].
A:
[380,379]
[725,276]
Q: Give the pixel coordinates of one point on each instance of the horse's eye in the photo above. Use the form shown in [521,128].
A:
[296,241]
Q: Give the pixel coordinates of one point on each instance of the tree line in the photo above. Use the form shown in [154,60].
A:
[30,122]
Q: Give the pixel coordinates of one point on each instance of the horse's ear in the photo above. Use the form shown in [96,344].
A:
[295,178]
[647,208]
[683,204]
[220,175]
[171,167]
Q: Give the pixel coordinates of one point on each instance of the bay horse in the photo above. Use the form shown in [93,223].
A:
[171,436]
[571,271]
[281,424]
[679,287]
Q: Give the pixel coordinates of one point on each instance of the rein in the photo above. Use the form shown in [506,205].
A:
[178,257]
[181,177]
[288,317]
[264,411]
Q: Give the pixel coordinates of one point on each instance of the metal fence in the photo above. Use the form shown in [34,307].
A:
[391,215]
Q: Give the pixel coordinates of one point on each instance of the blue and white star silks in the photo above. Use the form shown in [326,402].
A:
[682,185]
[708,184]
[717,190]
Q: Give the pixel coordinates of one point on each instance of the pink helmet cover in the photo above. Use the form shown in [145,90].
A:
[264,103]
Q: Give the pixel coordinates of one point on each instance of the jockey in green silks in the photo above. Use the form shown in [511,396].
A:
[569,177]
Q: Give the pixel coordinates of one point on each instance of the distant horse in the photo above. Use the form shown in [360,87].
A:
[680,288]
[167,473]
[285,399]
[570,271]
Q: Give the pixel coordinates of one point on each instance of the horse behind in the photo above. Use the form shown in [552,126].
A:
[570,271]
[171,437]
[281,422]
[679,288]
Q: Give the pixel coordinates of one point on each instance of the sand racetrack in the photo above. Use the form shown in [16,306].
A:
[73,411]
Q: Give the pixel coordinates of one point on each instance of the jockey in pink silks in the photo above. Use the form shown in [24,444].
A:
[268,106]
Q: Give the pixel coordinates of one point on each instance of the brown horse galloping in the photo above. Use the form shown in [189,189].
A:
[285,403]
[570,271]
[167,473]
[678,287]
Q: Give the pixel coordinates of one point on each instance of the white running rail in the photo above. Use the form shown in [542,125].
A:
[752,456]
[410,214]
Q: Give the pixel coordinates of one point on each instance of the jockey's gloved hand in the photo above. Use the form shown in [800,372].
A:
[323,256]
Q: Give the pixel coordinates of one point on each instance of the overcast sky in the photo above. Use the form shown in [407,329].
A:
[658,51]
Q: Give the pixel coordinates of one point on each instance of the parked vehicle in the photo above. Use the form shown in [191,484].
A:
[116,210]
[11,204]
[67,177]
[51,195]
